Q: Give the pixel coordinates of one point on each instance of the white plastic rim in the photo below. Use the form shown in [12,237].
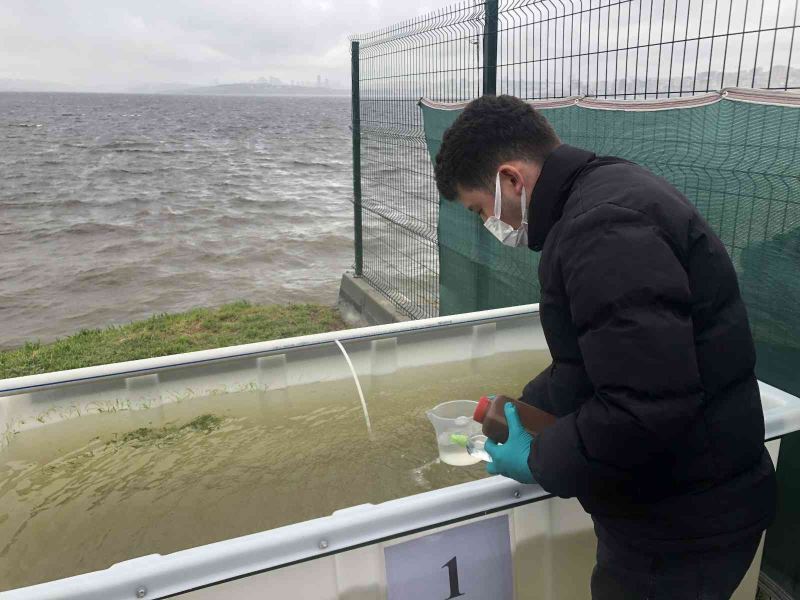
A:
[19,385]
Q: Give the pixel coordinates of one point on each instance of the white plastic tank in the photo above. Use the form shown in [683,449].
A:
[490,532]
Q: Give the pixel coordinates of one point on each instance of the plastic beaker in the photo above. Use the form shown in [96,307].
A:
[454,417]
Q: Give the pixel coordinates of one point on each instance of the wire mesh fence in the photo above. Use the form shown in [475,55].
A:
[435,55]
[622,49]
[645,49]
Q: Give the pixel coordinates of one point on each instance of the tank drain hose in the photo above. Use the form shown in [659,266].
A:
[358,387]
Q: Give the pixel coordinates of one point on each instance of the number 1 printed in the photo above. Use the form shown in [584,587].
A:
[452,567]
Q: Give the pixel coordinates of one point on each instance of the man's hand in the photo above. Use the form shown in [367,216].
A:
[511,459]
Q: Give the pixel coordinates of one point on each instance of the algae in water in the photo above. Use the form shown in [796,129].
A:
[204,423]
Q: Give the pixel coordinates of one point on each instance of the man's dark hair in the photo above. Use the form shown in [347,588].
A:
[490,131]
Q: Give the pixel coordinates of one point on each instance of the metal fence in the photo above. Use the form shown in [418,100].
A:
[531,49]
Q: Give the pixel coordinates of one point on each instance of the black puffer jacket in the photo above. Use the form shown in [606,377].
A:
[661,435]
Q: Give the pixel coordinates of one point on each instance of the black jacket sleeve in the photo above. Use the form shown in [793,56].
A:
[630,301]
[559,389]
[537,392]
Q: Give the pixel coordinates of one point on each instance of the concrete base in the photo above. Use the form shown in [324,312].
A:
[362,305]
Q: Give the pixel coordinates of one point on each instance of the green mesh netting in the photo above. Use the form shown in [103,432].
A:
[738,162]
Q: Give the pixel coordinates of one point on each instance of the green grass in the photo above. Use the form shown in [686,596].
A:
[161,335]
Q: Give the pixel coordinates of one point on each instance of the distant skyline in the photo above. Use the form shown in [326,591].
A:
[122,45]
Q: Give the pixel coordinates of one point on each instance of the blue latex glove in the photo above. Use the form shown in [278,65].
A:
[511,459]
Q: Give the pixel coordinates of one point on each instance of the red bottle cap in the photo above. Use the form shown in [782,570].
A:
[480,411]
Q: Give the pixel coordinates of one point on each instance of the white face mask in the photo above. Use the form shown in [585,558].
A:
[503,231]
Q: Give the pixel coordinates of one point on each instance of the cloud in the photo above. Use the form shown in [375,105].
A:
[117,43]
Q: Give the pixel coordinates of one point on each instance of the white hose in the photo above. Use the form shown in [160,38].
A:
[358,387]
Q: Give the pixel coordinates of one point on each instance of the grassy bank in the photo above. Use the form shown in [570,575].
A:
[198,329]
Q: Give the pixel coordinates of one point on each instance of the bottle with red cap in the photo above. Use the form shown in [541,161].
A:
[490,412]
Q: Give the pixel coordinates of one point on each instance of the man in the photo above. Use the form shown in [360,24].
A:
[660,432]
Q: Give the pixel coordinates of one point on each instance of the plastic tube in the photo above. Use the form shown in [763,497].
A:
[358,387]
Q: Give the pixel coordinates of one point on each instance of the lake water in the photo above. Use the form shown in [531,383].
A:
[82,494]
[114,207]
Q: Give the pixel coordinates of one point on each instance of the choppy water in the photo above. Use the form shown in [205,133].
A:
[82,494]
[115,207]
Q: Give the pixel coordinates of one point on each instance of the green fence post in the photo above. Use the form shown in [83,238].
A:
[490,48]
[356,126]
[481,285]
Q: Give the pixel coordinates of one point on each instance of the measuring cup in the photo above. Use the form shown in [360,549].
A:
[454,417]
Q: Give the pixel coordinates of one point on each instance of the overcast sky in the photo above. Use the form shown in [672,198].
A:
[119,43]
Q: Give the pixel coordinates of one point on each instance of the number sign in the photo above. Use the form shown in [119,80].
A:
[470,562]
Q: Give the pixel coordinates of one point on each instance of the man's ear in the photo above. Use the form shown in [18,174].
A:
[513,175]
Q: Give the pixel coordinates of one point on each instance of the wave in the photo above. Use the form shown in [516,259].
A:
[104,276]
[71,203]
[143,148]
[124,144]
[11,176]
[124,171]
[296,162]
[260,201]
[93,228]
[232,221]
[14,204]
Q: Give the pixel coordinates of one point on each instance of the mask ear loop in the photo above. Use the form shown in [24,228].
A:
[522,199]
[497,197]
